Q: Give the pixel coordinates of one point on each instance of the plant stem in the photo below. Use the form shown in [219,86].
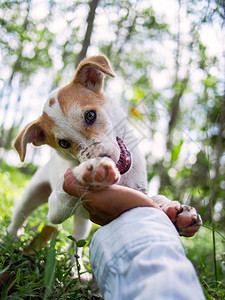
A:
[212,219]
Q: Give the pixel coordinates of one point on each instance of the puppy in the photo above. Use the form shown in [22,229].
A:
[88,131]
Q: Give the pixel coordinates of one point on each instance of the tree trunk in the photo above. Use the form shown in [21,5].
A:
[90,21]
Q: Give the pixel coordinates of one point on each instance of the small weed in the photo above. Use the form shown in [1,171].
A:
[45,274]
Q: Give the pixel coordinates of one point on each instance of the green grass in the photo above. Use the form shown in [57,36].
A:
[199,250]
[47,274]
[44,275]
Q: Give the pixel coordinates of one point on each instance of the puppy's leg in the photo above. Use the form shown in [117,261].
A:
[94,172]
[185,218]
[36,193]
[82,227]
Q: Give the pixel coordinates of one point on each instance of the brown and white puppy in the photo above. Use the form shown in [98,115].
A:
[88,130]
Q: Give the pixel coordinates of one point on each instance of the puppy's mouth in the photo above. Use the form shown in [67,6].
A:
[124,161]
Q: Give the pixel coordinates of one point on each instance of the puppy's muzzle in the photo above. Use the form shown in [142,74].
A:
[124,162]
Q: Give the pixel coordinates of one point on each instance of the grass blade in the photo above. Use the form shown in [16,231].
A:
[50,268]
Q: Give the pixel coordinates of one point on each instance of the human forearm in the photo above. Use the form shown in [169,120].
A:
[106,204]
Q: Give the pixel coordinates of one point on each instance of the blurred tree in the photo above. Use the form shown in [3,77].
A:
[169,80]
[24,46]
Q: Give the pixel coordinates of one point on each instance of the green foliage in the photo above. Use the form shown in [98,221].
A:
[27,42]
[12,183]
[77,244]
[46,274]
[176,151]
[199,250]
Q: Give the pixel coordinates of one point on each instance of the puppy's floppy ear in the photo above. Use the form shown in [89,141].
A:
[90,73]
[32,133]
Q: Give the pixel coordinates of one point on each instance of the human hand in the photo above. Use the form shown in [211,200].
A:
[105,204]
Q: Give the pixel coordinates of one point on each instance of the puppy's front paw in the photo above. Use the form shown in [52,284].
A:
[185,218]
[99,171]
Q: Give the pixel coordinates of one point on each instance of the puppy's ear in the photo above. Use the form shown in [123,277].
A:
[90,73]
[32,133]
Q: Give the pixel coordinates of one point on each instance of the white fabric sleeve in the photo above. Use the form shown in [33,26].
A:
[139,256]
[61,204]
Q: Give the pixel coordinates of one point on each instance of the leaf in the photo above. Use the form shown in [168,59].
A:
[135,113]
[65,276]
[176,151]
[4,270]
[72,238]
[50,268]
[138,94]
[59,273]
[81,243]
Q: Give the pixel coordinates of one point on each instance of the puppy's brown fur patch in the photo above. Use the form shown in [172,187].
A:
[76,93]
[88,100]
[51,102]
[47,125]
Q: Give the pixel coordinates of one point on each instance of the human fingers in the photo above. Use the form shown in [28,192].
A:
[72,186]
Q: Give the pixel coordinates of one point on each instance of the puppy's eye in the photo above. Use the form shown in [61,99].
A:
[90,117]
[64,144]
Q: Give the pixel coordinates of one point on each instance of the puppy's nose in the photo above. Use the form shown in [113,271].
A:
[104,155]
